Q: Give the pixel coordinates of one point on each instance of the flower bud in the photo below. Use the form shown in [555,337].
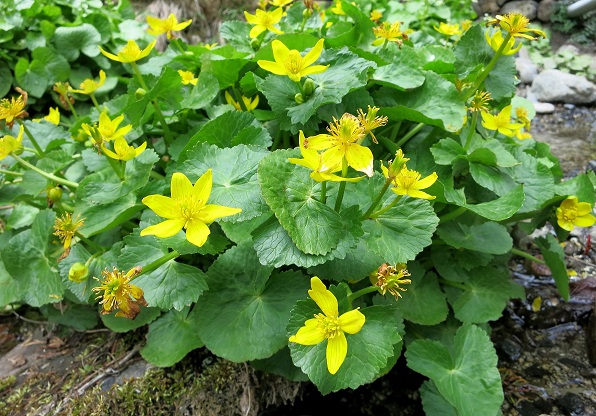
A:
[309,87]
[299,98]
[54,194]
[255,44]
[19,150]
[78,272]
[307,13]
[140,93]
[398,163]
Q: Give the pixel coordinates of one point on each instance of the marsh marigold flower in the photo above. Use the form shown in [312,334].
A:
[291,63]
[395,166]
[263,21]
[370,121]
[448,30]
[388,32]
[65,229]
[249,103]
[500,122]
[329,326]
[130,53]
[572,213]
[9,144]
[337,9]
[375,15]
[186,209]
[496,40]
[107,128]
[408,182]
[311,159]
[517,25]
[480,101]
[89,86]
[187,77]
[53,116]
[13,108]
[117,293]
[168,25]
[389,278]
[343,141]
[122,150]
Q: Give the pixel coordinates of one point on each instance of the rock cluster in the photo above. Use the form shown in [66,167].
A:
[541,9]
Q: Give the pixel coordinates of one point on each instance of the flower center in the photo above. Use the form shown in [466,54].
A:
[188,208]
[407,178]
[294,62]
[570,214]
[328,325]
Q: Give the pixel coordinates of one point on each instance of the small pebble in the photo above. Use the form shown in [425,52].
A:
[571,404]
[544,108]
[569,106]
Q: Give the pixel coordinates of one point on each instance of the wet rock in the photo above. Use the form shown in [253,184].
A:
[569,106]
[536,371]
[528,8]
[570,362]
[571,404]
[486,6]
[545,10]
[535,408]
[591,338]
[509,349]
[555,85]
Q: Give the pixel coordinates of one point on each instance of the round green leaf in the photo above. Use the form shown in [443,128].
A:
[71,41]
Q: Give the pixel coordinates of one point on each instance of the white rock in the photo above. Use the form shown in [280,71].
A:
[554,85]
[526,69]
[544,108]
[528,8]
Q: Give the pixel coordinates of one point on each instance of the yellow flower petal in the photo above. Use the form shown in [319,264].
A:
[337,349]
[314,54]
[197,232]
[309,334]
[181,186]
[164,229]
[202,187]
[211,212]
[323,297]
[360,158]
[352,321]
[161,205]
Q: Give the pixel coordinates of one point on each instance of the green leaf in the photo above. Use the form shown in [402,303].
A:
[368,350]
[437,102]
[486,294]
[471,52]
[423,302]
[288,189]
[235,182]
[501,208]
[491,152]
[171,337]
[79,317]
[228,130]
[48,136]
[31,78]
[236,33]
[554,256]
[22,215]
[202,93]
[501,81]
[466,375]
[55,65]
[5,79]
[402,70]
[10,289]
[537,179]
[400,233]
[71,41]
[281,364]
[27,261]
[121,324]
[225,69]
[580,186]
[103,187]
[488,237]
[445,151]
[100,218]
[243,314]
[433,403]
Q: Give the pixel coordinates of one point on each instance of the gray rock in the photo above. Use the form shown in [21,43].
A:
[544,108]
[502,2]
[545,10]
[528,8]
[486,6]
[554,85]
[526,69]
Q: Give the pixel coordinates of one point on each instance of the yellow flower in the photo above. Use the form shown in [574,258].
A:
[517,25]
[448,30]
[108,129]
[480,101]
[280,3]
[329,325]
[9,144]
[496,40]
[375,15]
[119,293]
[210,46]
[369,120]
[65,228]
[389,278]
[344,142]
[167,26]
[13,108]
[291,63]
[465,25]
[187,77]
[54,116]
[522,115]
[408,182]
[501,122]
[130,53]
[187,208]
[395,166]
[311,159]
[250,104]
[337,9]
[522,135]
[122,150]
[263,21]
[574,214]
[389,33]
[89,86]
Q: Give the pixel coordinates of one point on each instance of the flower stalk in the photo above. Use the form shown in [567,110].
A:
[488,68]
[45,174]
[377,199]
[409,135]
[38,149]
[158,263]
[342,185]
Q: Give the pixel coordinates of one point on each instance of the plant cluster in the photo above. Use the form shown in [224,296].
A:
[582,29]
[325,190]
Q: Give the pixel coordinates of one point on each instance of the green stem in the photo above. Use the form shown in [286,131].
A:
[45,174]
[385,43]
[157,263]
[361,292]
[95,103]
[488,68]
[72,109]
[9,172]
[158,114]
[342,185]
[451,215]
[387,144]
[377,199]
[472,131]
[394,132]
[301,89]
[28,133]
[239,99]
[410,134]
[116,166]
[453,284]
[387,208]
[525,255]
[90,243]
[324,192]
[155,175]
[176,42]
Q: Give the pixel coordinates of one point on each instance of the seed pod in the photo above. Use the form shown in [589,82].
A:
[299,98]
[55,194]
[78,272]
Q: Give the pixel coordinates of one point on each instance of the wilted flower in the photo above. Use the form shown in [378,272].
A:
[389,278]
[65,229]
[13,108]
[119,293]
[369,120]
